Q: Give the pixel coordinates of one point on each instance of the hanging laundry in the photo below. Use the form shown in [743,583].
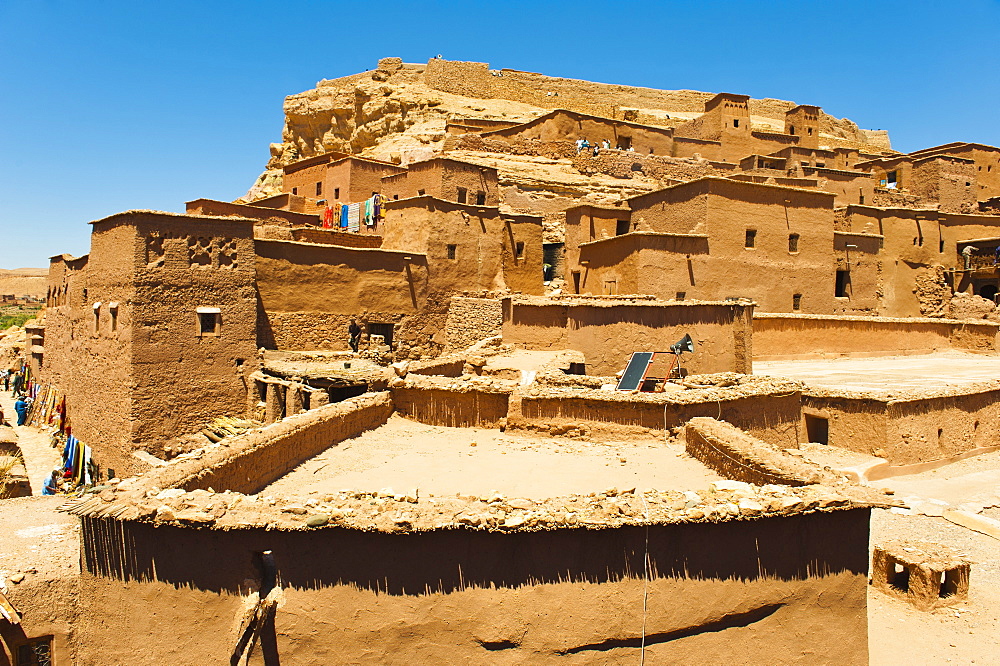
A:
[327,217]
[369,215]
[377,204]
[354,217]
[344,216]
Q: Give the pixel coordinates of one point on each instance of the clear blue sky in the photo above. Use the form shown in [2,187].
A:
[108,105]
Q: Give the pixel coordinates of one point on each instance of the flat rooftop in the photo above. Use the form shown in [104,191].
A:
[924,372]
[404,455]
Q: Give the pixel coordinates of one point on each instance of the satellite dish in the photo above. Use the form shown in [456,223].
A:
[685,344]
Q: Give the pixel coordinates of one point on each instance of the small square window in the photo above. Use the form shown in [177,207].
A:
[480,198]
[452,251]
[622,227]
[680,295]
[209,322]
[796,301]
[319,189]
[295,190]
[37,652]
[462,194]
[395,197]
[793,242]
[736,123]
[751,239]
[336,193]
[519,249]
[420,193]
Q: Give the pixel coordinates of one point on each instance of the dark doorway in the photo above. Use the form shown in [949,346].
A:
[817,429]
[988,291]
[385,330]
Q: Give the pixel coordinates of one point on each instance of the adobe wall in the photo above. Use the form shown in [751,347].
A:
[923,428]
[772,416]
[455,406]
[251,461]
[563,126]
[309,292]
[790,336]
[333,237]
[255,212]
[608,333]
[522,273]
[442,178]
[729,589]
[182,377]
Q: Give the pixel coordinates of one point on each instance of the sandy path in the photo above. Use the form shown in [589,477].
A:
[404,455]
[39,457]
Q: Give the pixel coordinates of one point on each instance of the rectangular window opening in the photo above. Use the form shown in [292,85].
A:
[950,581]
[751,238]
[452,251]
[610,287]
[796,301]
[113,312]
[319,189]
[622,227]
[420,193]
[295,190]
[480,198]
[209,321]
[462,194]
[899,577]
[680,295]
[519,249]
[37,652]
[793,242]
[841,287]
[336,193]
[736,123]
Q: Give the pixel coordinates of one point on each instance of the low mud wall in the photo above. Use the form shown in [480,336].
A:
[730,590]
[921,429]
[774,418]
[456,408]
[785,337]
[737,456]
[246,463]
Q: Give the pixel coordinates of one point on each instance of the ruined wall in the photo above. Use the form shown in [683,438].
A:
[786,336]
[564,125]
[730,589]
[738,456]
[470,320]
[607,333]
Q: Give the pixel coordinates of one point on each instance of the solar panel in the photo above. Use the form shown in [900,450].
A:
[635,371]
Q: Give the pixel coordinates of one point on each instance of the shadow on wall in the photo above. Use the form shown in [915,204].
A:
[446,561]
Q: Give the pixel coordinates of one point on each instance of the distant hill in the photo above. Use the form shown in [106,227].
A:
[24,281]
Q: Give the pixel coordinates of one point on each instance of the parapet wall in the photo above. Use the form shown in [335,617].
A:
[455,405]
[246,463]
[772,416]
[787,336]
[737,456]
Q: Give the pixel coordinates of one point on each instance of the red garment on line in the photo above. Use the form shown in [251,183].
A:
[328,218]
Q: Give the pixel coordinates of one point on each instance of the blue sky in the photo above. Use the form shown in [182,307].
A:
[107,106]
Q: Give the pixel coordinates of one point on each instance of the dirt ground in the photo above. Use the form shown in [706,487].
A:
[37,541]
[39,457]
[966,633]
[404,455]
[897,373]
